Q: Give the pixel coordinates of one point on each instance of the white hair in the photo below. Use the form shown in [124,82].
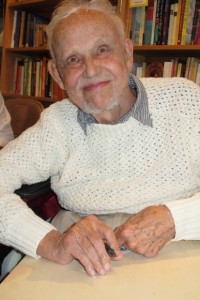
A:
[68,7]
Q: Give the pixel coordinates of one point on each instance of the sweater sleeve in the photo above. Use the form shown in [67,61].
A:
[32,157]
[6,133]
[186,215]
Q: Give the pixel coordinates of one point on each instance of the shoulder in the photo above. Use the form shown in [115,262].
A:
[173,94]
[59,112]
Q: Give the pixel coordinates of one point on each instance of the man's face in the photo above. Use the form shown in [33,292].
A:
[92,61]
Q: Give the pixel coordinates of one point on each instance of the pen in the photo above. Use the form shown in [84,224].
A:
[110,251]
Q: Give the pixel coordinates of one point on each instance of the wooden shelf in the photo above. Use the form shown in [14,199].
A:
[42,99]
[29,50]
[45,5]
[168,50]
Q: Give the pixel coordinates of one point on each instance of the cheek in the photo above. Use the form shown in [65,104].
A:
[70,80]
[118,67]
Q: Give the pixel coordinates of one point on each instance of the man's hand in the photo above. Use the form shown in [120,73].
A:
[148,231]
[83,241]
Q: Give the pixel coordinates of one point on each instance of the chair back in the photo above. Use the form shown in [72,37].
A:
[24,113]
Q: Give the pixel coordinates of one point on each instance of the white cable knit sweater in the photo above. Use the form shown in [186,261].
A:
[114,168]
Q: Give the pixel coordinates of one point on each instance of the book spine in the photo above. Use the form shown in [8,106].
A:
[195,22]
[149,23]
[153,22]
[190,22]
[157,21]
[178,22]
[166,22]
[185,19]
[17,29]
[142,25]
[171,23]
[22,29]
[175,24]
[160,25]
[198,75]
[181,22]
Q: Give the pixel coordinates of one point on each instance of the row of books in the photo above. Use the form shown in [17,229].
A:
[29,30]
[167,22]
[189,68]
[31,78]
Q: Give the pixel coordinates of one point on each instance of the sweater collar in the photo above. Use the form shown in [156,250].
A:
[140,111]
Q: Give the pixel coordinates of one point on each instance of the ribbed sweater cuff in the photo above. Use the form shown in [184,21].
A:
[27,237]
[186,215]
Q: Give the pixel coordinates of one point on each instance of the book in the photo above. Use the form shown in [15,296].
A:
[33,75]
[187,67]
[176,31]
[149,22]
[17,29]
[30,78]
[43,75]
[168,69]
[19,77]
[137,3]
[38,78]
[161,23]
[139,72]
[136,28]
[166,22]
[156,28]
[153,22]
[192,73]
[191,12]
[26,74]
[142,26]
[198,75]
[185,19]
[195,23]
[13,28]
[175,24]
[179,70]
[171,23]
[182,9]
[22,25]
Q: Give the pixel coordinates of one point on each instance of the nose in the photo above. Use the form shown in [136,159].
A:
[91,67]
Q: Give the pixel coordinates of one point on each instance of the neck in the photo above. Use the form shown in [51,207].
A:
[113,115]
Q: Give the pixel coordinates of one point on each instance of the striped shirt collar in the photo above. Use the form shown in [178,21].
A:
[139,111]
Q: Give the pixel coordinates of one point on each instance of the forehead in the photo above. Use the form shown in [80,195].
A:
[83,27]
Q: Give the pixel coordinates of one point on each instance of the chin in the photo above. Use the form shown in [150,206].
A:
[93,110]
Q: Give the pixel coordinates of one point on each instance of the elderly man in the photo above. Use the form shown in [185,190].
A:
[122,154]
[6,133]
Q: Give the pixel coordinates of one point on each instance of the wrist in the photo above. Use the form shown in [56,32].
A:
[170,220]
[48,244]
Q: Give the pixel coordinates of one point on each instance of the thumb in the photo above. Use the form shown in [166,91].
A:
[119,236]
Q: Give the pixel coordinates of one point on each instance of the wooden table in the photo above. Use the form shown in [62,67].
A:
[174,274]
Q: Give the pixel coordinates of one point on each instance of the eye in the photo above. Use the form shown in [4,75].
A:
[102,50]
[73,60]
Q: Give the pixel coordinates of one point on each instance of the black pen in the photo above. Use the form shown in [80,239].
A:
[109,250]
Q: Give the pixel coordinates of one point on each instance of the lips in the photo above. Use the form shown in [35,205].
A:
[94,86]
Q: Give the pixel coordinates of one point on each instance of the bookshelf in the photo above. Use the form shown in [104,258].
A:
[173,41]
[15,55]
[143,54]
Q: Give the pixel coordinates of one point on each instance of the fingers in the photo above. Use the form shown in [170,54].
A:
[83,250]
[147,232]
[85,242]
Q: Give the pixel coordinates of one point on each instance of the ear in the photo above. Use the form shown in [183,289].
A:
[52,68]
[129,53]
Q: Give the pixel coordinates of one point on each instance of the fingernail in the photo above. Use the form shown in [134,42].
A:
[102,272]
[107,267]
[92,273]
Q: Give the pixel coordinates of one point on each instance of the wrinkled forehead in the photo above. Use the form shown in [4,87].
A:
[82,20]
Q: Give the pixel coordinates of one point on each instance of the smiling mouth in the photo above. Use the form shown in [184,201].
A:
[95,86]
